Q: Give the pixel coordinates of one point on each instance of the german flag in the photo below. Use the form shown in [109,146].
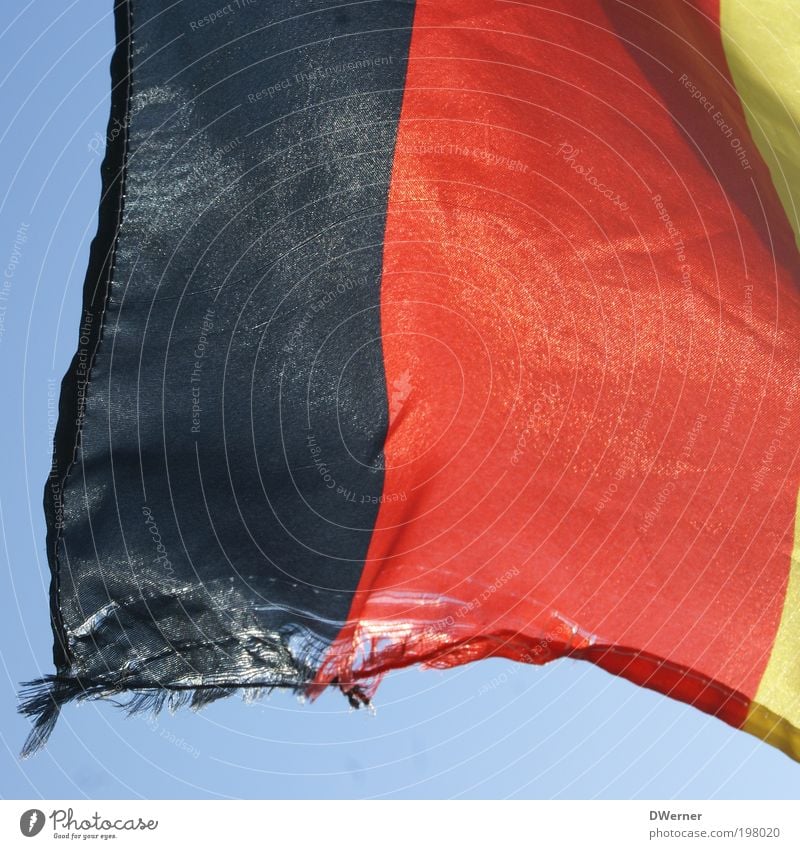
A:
[424,332]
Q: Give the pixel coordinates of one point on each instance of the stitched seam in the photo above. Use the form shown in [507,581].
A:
[123,177]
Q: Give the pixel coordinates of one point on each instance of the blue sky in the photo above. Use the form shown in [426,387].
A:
[491,729]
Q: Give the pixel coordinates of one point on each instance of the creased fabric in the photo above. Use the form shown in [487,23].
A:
[428,332]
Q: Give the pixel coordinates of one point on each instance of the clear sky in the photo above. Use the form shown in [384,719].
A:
[492,729]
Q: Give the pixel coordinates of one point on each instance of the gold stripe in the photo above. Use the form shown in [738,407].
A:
[774,714]
[773,729]
[762,46]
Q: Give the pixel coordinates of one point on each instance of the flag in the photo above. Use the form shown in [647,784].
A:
[425,332]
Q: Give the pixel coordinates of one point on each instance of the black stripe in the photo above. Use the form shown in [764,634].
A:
[220,505]
[95,292]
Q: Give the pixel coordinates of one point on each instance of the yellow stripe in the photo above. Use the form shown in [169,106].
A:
[775,713]
[762,46]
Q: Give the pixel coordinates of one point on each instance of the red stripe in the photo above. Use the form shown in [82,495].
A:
[581,399]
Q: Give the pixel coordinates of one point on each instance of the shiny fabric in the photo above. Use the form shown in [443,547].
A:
[228,395]
[592,321]
[424,333]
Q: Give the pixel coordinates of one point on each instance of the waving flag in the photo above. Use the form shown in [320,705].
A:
[428,332]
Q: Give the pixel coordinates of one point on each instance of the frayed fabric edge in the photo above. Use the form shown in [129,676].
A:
[41,700]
